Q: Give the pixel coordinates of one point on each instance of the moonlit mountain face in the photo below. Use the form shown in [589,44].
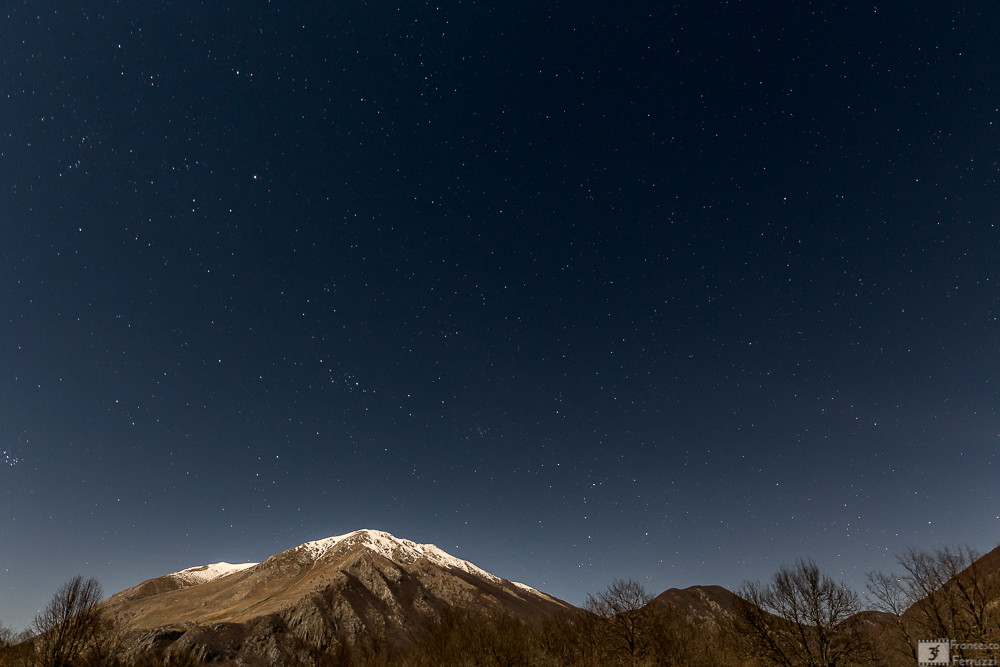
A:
[203,573]
[367,580]
[376,541]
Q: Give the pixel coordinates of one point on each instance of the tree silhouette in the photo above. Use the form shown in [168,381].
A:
[71,630]
[623,606]
[802,618]
[942,593]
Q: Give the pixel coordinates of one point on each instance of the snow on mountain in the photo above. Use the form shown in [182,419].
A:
[400,550]
[389,546]
[202,573]
[535,591]
[366,580]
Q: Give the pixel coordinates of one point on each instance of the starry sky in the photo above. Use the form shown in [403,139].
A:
[676,292]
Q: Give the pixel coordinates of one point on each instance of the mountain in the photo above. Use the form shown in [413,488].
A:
[365,582]
[958,593]
[698,603]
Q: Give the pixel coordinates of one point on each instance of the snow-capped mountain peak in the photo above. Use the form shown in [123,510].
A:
[395,549]
[406,552]
[402,551]
[203,573]
[361,578]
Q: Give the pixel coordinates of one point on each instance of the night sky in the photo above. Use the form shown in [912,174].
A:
[676,292]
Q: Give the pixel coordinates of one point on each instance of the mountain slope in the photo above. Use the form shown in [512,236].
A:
[364,581]
[698,602]
[958,597]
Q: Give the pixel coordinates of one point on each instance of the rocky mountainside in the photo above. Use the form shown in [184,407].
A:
[320,592]
[698,603]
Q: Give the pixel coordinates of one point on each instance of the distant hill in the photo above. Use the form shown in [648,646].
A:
[698,602]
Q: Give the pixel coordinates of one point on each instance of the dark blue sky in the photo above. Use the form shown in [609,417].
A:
[675,292]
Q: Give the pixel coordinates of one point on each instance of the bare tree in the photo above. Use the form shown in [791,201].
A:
[71,629]
[942,593]
[573,638]
[6,637]
[886,594]
[623,607]
[458,637]
[801,618]
[8,642]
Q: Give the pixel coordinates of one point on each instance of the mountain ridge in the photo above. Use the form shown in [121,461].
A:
[368,590]
[362,581]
